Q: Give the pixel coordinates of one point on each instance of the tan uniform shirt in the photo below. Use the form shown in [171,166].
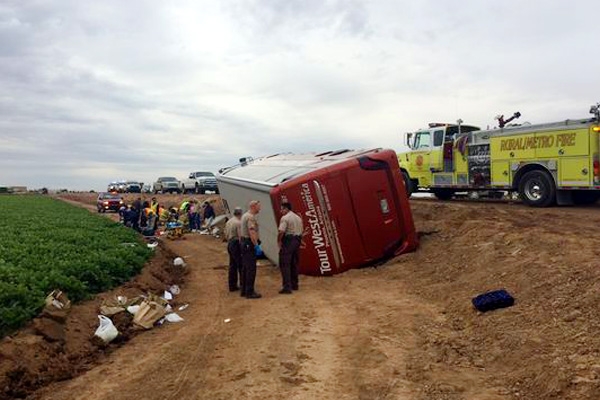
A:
[248,222]
[233,228]
[291,224]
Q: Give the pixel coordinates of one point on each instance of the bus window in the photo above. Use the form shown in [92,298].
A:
[438,138]
[423,140]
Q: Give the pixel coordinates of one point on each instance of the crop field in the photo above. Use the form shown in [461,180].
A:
[46,244]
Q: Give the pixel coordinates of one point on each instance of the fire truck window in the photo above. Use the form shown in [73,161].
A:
[423,140]
[438,138]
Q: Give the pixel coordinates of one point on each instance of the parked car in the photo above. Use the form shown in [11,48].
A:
[200,182]
[133,187]
[147,188]
[166,184]
[122,185]
[113,187]
[109,201]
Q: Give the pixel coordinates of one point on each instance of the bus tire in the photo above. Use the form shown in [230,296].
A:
[583,197]
[537,189]
[443,194]
[407,184]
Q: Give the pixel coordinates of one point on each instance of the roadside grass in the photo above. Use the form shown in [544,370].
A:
[46,244]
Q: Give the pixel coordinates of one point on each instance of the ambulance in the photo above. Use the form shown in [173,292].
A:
[353,205]
[546,163]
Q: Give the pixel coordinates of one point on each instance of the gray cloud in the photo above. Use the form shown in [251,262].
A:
[96,91]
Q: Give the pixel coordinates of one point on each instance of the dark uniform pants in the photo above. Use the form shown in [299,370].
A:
[248,267]
[288,261]
[235,263]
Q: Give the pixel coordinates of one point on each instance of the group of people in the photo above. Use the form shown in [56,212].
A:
[243,238]
[194,216]
[145,216]
[141,216]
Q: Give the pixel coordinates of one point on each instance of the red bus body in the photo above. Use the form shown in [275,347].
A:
[353,205]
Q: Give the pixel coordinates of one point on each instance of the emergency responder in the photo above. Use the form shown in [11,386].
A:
[144,213]
[208,214]
[154,206]
[250,239]
[288,239]
[232,234]
[137,206]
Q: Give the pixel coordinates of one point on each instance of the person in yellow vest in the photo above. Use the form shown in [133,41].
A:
[154,206]
[150,218]
[163,213]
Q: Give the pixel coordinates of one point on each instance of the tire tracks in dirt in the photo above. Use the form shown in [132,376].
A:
[352,336]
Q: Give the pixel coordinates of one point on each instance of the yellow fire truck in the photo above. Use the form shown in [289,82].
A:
[545,163]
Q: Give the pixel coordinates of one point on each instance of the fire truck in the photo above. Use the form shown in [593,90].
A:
[352,202]
[545,164]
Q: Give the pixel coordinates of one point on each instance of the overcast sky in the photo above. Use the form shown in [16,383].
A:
[94,91]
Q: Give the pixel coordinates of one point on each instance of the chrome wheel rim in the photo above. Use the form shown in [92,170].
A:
[534,190]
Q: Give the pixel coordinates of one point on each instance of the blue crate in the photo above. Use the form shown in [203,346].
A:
[493,300]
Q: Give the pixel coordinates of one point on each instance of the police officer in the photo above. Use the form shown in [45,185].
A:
[288,239]
[232,234]
[250,239]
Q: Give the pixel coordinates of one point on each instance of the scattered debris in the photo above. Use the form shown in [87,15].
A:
[133,309]
[117,305]
[152,245]
[167,295]
[493,300]
[149,312]
[172,317]
[107,330]
[227,320]
[178,262]
[183,307]
[175,290]
[58,300]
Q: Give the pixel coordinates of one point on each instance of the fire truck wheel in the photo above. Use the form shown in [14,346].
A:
[443,194]
[537,189]
[407,184]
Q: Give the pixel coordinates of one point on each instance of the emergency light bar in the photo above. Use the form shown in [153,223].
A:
[595,109]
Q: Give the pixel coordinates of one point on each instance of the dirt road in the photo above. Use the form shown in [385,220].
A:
[405,330]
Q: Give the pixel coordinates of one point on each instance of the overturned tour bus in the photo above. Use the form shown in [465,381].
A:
[353,205]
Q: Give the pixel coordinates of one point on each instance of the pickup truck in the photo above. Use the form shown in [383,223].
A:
[200,182]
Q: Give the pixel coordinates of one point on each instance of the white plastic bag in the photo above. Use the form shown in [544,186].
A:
[178,262]
[133,309]
[173,318]
[175,290]
[107,330]
[167,295]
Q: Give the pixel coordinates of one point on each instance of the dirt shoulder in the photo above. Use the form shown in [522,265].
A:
[405,330]
[59,347]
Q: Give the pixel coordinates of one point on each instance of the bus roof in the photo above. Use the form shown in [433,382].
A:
[279,168]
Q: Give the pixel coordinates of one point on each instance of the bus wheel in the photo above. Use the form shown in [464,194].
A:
[443,194]
[407,184]
[582,197]
[537,189]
